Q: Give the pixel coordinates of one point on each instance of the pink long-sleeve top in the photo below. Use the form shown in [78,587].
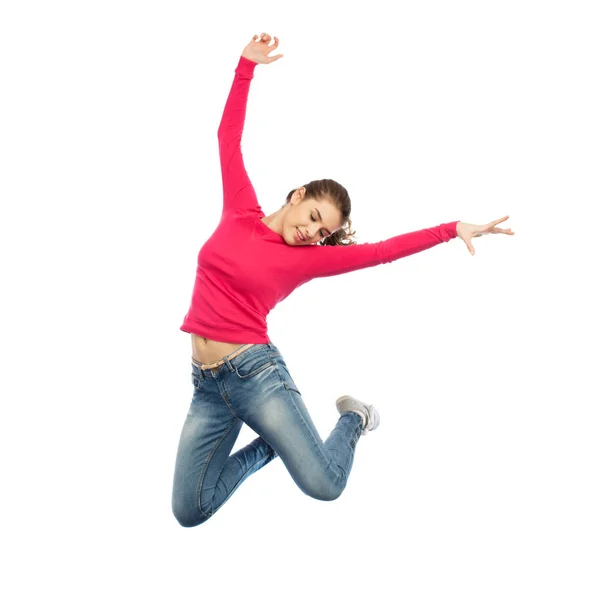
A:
[245,268]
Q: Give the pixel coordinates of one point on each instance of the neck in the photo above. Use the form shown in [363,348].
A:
[274,221]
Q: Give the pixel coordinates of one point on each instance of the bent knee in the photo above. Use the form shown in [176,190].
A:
[187,518]
[185,522]
[330,497]
[326,493]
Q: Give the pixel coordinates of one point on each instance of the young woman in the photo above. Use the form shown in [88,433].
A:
[249,264]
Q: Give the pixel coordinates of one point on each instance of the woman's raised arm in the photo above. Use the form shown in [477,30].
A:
[238,192]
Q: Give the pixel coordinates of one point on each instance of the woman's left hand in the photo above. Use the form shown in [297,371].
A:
[258,49]
[467,231]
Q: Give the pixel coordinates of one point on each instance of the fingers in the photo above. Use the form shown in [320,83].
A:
[467,240]
[473,231]
[498,221]
[490,227]
[266,38]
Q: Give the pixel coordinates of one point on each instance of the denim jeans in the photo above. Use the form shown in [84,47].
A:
[256,388]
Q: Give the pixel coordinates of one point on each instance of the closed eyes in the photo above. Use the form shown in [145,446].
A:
[320,230]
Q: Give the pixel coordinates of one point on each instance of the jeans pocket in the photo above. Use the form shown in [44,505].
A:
[252,364]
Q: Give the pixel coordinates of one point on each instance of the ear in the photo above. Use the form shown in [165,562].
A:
[297,196]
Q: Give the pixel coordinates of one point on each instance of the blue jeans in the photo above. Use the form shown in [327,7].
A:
[256,388]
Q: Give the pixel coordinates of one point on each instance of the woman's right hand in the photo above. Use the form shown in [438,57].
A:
[467,231]
[258,48]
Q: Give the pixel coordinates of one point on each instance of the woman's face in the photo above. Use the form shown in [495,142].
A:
[310,218]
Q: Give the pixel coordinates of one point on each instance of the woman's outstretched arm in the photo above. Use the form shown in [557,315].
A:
[324,261]
[238,192]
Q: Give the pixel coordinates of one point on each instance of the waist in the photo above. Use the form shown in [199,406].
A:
[206,351]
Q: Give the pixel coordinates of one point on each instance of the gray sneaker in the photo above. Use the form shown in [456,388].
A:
[368,413]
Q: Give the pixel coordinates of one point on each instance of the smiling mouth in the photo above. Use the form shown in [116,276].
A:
[299,235]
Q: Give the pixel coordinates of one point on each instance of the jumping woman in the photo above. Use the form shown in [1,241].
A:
[249,264]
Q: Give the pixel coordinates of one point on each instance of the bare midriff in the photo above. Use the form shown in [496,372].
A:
[208,351]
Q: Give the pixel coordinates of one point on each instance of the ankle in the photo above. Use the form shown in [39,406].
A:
[363,417]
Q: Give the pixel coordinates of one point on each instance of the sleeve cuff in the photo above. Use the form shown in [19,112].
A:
[245,67]
[449,230]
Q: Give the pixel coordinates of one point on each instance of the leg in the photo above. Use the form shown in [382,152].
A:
[205,474]
[269,402]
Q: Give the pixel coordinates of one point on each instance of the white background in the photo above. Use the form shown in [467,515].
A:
[482,479]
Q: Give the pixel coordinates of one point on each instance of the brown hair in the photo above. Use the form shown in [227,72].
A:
[328,189]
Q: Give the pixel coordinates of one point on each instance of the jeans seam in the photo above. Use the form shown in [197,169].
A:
[229,407]
[226,396]
[202,475]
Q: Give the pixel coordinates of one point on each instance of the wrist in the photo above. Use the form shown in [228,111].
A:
[247,58]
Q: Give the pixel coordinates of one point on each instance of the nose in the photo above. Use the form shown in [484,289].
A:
[310,234]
